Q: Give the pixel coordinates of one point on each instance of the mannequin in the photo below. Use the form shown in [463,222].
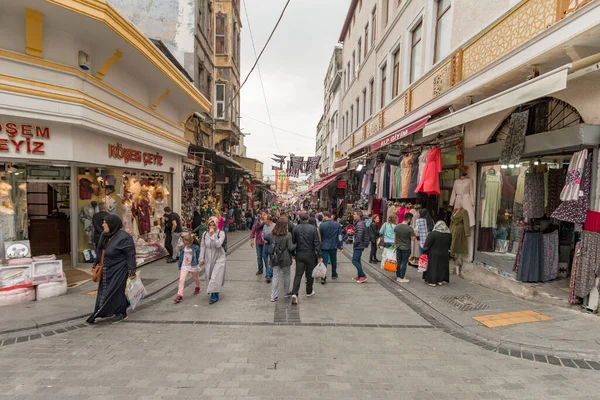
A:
[143,211]
[22,211]
[461,229]
[129,223]
[86,215]
[415,246]
[158,206]
[7,212]
[463,195]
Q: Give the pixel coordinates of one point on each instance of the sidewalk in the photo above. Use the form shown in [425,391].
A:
[571,333]
[77,304]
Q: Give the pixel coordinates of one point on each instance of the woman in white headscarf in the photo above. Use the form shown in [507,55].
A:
[213,257]
[437,248]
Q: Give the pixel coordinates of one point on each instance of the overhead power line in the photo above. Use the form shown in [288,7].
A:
[278,128]
[260,76]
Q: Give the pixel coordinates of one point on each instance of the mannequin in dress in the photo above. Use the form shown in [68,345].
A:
[463,195]
[85,217]
[158,206]
[127,217]
[22,211]
[143,211]
[461,229]
[7,212]
[415,246]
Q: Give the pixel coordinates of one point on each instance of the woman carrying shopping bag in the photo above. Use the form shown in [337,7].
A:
[280,257]
[387,232]
[437,249]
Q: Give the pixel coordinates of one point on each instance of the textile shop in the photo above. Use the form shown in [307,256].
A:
[535,220]
[48,199]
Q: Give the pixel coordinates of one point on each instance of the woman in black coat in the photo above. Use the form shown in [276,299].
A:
[373,236]
[119,264]
[281,242]
[437,248]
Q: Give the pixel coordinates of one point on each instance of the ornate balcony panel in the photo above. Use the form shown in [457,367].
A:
[442,79]
[572,5]
[524,23]
[422,93]
[372,126]
[394,112]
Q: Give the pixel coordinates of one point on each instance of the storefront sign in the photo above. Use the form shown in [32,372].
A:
[401,133]
[340,163]
[117,151]
[342,184]
[23,138]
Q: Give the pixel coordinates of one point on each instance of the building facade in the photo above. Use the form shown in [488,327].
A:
[84,122]
[470,79]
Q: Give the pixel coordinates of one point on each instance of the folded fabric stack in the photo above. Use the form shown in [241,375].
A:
[15,277]
[149,252]
[19,261]
[47,257]
[47,271]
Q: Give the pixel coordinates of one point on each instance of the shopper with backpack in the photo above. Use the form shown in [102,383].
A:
[281,257]
[213,256]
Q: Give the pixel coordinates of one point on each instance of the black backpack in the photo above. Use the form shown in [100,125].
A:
[224,245]
[276,257]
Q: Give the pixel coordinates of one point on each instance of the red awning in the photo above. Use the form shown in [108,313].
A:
[401,133]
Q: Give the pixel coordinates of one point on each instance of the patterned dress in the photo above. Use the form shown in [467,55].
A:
[533,200]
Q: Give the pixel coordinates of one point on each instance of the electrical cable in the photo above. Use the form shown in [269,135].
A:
[260,77]
[278,128]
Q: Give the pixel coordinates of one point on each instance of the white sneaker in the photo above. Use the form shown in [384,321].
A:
[294,299]
[311,294]
[402,280]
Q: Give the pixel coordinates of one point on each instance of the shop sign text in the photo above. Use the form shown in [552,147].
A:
[23,138]
[118,152]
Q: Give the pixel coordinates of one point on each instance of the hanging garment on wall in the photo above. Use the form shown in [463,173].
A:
[407,164]
[485,239]
[392,181]
[589,264]
[520,192]
[85,217]
[460,228]
[515,142]
[556,181]
[533,200]
[491,191]
[430,181]
[550,256]
[575,266]
[415,248]
[463,195]
[575,211]
[414,177]
[386,182]
[422,163]
[592,221]
[572,190]
[398,177]
[531,266]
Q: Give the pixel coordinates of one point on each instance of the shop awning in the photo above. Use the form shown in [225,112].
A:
[541,86]
[324,182]
[572,138]
[401,133]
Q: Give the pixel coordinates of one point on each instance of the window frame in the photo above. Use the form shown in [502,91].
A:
[396,73]
[386,12]
[223,35]
[357,103]
[374,25]
[364,101]
[359,50]
[413,45]
[382,86]
[366,40]
[372,97]
[351,118]
[437,23]
[220,102]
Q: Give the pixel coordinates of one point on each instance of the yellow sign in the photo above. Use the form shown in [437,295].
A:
[338,154]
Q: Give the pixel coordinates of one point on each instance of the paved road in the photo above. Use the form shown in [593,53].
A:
[348,341]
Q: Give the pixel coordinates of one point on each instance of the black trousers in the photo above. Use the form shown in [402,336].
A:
[373,255]
[169,245]
[304,266]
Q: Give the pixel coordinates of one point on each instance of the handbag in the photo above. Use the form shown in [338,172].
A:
[97,272]
[423,263]
[390,265]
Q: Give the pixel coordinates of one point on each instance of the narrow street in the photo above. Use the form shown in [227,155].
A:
[348,341]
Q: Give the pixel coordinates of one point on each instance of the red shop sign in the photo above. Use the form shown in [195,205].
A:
[342,184]
[23,138]
[401,133]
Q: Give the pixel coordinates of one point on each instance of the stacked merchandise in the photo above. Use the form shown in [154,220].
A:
[24,279]
[190,193]
[147,252]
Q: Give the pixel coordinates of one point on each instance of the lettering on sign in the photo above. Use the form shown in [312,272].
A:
[118,152]
[23,138]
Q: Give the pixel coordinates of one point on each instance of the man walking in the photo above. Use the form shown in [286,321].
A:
[404,235]
[173,232]
[308,250]
[256,237]
[361,242]
[98,220]
[331,235]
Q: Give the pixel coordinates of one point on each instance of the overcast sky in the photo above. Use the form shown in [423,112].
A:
[293,68]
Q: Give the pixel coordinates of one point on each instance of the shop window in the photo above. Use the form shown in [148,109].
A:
[416,52]
[396,73]
[443,30]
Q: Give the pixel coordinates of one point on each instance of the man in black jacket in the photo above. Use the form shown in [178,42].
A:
[361,242]
[308,250]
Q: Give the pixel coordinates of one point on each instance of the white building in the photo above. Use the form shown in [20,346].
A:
[90,111]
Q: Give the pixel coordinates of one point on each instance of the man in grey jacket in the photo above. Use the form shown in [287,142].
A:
[331,243]
[361,242]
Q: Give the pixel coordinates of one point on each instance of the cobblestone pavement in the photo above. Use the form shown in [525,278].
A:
[353,341]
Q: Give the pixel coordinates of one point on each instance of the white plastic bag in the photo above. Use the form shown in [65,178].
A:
[320,271]
[388,254]
[135,291]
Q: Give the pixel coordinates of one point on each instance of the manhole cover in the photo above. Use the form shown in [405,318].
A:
[466,303]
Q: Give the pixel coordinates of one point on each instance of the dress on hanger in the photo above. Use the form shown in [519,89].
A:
[463,195]
[86,216]
[430,181]
[490,192]
[414,177]
[143,216]
[572,191]
[520,192]
[398,177]
[7,213]
[533,200]
[460,227]
[407,164]
[422,163]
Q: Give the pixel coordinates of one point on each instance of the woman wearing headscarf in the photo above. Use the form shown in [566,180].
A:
[196,221]
[437,248]
[213,257]
[424,227]
[118,262]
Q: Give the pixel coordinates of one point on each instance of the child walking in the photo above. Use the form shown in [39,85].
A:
[189,261]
